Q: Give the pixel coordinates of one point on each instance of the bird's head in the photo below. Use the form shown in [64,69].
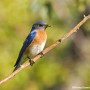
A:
[40,26]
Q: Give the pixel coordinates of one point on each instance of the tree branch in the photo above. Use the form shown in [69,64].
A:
[75,29]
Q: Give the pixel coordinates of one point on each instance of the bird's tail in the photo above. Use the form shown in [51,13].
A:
[16,67]
[19,62]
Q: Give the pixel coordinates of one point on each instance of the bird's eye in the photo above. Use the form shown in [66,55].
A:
[40,25]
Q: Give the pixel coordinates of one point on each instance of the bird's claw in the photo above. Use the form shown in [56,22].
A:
[41,54]
[31,61]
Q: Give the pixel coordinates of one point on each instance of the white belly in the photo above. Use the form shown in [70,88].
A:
[36,49]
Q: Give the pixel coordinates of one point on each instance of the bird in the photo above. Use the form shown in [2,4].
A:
[33,44]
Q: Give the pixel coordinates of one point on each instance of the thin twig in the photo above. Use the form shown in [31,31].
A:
[47,49]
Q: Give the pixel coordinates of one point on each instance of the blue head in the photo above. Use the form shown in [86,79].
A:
[40,26]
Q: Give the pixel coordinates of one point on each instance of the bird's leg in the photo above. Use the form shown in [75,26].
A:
[41,54]
[31,61]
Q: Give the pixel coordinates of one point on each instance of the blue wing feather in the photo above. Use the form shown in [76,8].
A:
[27,42]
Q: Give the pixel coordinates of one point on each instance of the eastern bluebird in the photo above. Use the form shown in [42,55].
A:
[33,44]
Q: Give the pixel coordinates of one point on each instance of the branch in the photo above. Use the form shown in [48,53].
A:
[75,29]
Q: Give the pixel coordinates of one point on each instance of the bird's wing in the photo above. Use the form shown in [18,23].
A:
[27,42]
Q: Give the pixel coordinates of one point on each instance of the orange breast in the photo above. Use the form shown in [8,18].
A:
[38,39]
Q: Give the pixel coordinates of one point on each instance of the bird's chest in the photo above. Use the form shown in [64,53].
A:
[37,44]
[36,49]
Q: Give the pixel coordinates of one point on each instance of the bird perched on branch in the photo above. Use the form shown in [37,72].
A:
[33,44]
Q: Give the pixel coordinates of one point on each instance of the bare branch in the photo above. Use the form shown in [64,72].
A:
[47,49]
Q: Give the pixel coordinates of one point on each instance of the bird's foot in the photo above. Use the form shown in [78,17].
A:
[31,61]
[41,53]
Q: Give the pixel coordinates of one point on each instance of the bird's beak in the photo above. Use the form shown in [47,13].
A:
[48,26]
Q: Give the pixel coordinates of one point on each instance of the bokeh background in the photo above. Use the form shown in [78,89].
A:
[63,68]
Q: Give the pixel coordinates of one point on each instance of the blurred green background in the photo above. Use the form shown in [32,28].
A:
[64,67]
